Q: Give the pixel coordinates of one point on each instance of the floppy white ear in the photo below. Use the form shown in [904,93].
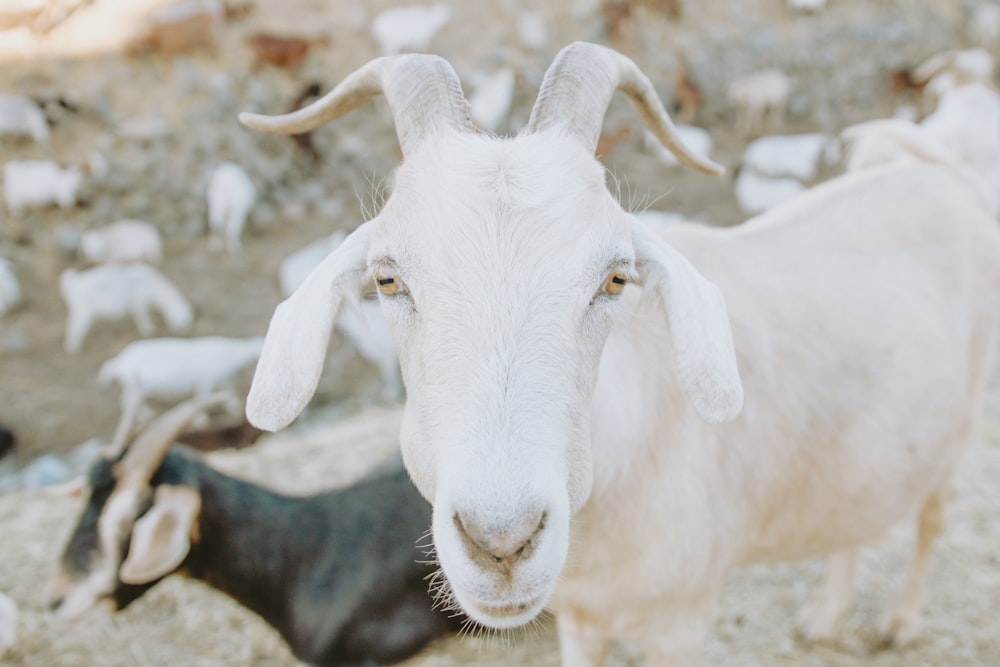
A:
[161,539]
[295,345]
[699,327]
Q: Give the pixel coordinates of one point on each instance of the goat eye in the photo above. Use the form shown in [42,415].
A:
[387,285]
[615,283]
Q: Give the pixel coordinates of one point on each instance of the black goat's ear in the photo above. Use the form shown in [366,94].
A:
[161,539]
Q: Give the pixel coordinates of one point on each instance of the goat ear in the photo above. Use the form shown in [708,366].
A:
[161,538]
[295,345]
[704,355]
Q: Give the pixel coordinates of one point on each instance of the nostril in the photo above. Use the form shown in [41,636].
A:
[500,543]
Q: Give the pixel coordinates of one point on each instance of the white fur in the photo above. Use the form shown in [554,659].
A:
[756,193]
[760,95]
[10,290]
[19,115]
[363,325]
[795,155]
[122,241]
[409,28]
[964,130]
[39,183]
[696,138]
[113,291]
[170,369]
[490,102]
[231,196]
[588,452]
[9,619]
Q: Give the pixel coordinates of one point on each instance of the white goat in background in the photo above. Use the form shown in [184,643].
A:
[39,183]
[122,241]
[576,409]
[20,115]
[168,369]
[10,290]
[231,196]
[113,291]
[760,97]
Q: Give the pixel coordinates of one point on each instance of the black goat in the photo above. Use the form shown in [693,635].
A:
[337,574]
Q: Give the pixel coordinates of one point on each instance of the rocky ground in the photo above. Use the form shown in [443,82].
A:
[840,59]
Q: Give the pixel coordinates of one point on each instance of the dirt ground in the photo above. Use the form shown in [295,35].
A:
[52,401]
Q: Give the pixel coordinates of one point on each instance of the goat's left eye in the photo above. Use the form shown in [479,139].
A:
[615,283]
[389,284]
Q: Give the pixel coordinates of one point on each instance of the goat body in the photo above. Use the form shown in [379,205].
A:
[122,241]
[20,115]
[231,195]
[337,574]
[112,291]
[39,183]
[777,390]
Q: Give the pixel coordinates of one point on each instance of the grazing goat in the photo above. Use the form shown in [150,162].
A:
[39,183]
[337,574]
[122,241]
[231,195]
[174,368]
[608,421]
[759,97]
[112,291]
[21,116]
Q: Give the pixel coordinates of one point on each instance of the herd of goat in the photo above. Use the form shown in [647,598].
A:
[789,387]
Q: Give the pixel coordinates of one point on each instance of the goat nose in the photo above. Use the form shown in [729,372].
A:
[500,546]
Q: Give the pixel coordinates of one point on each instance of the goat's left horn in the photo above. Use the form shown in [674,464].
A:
[577,89]
[146,452]
[423,91]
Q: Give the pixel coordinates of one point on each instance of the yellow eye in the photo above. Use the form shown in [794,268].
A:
[387,285]
[615,283]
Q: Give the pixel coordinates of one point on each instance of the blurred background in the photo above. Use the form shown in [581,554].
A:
[127,108]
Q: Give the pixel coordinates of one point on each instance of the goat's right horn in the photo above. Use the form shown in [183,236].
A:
[577,89]
[423,92]
[145,454]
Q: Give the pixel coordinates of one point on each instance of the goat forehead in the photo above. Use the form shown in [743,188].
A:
[475,199]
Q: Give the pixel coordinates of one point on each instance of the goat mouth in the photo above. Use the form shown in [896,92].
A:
[502,616]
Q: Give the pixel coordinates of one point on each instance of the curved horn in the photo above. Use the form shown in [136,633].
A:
[423,92]
[145,454]
[577,89]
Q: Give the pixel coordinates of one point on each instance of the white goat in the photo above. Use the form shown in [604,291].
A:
[231,195]
[756,193]
[10,290]
[696,138]
[19,115]
[963,130]
[122,241]
[758,97]
[950,69]
[575,405]
[9,619]
[169,369]
[112,291]
[409,27]
[490,102]
[363,325]
[39,183]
